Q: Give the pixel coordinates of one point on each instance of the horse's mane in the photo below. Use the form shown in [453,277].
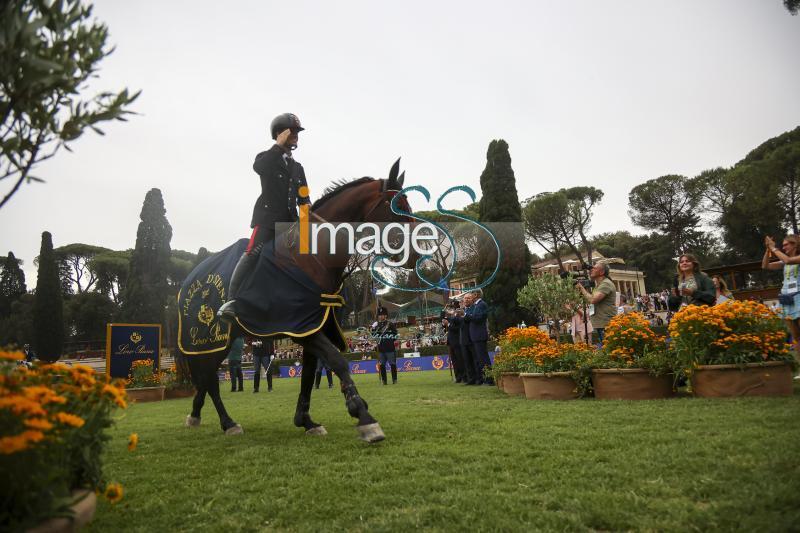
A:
[336,187]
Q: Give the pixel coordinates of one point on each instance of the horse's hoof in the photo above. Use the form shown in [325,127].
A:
[317,430]
[192,422]
[370,432]
[235,430]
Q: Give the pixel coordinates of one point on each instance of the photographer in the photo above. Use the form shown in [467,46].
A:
[453,340]
[602,299]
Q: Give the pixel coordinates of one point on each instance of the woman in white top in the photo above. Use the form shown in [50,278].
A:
[787,258]
[723,294]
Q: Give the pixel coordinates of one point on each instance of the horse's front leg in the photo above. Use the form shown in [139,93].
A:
[368,428]
[302,417]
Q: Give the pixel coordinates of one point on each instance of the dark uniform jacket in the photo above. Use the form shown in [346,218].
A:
[463,330]
[280,180]
[385,333]
[453,330]
[475,319]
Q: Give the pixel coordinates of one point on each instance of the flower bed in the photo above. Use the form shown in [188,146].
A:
[53,422]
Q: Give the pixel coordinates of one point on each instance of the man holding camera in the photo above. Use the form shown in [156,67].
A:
[602,299]
[453,328]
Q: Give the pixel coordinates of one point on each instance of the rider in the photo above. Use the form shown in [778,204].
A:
[283,187]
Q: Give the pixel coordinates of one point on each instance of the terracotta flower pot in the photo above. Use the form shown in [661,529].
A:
[84,507]
[630,384]
[512,384]
[178,392]
[146,394]
[772,378]
[499,382]
[552,386]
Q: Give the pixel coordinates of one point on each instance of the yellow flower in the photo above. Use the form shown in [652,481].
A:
[113,492]
[133,440]
[18,443]
[38,423]
[12,356]
[20,404]
[70,419]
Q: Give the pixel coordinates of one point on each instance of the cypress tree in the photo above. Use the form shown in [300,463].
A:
[48,307]
[146,289]
[500,209]
[12,284]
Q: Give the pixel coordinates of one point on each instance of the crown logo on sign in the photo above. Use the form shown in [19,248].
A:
[136,337]
[206,315]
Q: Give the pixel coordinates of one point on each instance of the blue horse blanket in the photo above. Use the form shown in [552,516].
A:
[276,300]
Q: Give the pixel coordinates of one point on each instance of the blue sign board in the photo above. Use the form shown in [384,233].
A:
[126,343]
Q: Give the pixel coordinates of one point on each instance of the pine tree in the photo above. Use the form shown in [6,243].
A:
[146,288]
[500,208]
[48,308]
[12,284]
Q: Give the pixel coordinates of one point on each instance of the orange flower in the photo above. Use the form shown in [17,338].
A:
[21,442]
[133,440]
[11,356]
[113,492]
[70,419]
[38,423]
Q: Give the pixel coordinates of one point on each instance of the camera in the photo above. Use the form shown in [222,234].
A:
[579,277]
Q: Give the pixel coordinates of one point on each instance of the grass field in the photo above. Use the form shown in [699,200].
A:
[459,458]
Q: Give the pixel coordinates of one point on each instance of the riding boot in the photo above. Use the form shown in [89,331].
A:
[394,374]
[330,379]
[382,369]
[317,379]
[227,312]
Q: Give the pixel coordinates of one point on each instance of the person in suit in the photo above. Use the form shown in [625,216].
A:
[467,354]
[318,374]
[283,188]
[385,333]
[235,363]
[263,353]
[453,329]
[475,319]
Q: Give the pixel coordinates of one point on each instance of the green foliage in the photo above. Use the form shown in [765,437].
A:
[668,204]
[12,284]
[76,265]
[545,217]
[793,6]
[111,269]
[499,204]
[759,196]
[89,312]
[552,296]
[17,328]
[50,52]
[651,253]
[146,289]
[48,309]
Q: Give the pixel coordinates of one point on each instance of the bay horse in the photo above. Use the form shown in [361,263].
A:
[362,200]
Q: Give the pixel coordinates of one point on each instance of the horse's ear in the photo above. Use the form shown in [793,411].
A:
[401,179]
[393,175]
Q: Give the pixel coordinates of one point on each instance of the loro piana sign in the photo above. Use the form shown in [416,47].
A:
[126,343]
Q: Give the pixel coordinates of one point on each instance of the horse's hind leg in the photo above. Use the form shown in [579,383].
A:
[368,428]
[302,418]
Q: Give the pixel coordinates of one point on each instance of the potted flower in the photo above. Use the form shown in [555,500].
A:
[634,363]
[53,422]
[516,346]
[552,371]
[735,349]
[145,382]
[176,384]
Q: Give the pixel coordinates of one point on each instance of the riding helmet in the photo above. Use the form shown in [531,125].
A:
[284,121]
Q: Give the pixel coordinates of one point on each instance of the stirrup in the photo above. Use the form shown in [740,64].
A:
[227,312]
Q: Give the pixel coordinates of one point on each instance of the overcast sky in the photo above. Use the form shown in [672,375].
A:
[607,94]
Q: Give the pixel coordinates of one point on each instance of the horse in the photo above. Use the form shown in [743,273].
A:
[362,200]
